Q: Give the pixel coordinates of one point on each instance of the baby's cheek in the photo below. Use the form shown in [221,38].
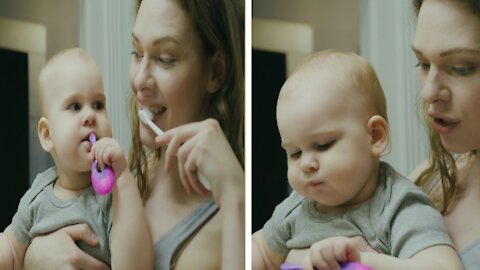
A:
[293,178]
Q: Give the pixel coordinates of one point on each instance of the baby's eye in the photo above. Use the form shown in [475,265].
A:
[98,106]
[324,146]
[295,155]
[74,107]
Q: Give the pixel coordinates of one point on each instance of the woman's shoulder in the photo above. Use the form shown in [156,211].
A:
[413,175]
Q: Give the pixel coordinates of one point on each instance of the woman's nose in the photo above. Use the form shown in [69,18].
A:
[309,163]
[434,88]
[143,78]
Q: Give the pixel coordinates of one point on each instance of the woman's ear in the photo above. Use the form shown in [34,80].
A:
[218,74]
[378,130]
[44,134]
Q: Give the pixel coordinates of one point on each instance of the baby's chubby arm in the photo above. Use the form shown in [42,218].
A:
[326,255]
[439,257]
[263,257]
[11,250]
[131,242]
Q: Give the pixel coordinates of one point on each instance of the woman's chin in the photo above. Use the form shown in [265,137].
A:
[147,138]
[455,146]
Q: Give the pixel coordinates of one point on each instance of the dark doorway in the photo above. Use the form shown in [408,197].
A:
[14,131]
[269,164]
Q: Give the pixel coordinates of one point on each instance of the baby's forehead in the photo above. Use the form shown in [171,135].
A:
[68,65]
[320,79]
[68,59]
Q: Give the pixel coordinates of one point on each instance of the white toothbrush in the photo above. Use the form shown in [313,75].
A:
[146,117]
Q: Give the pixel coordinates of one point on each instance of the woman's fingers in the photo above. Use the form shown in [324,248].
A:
[183,177]
[81,232]
[189,164]
[57,250]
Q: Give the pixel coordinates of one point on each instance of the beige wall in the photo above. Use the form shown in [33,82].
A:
[60,17]
[336,23]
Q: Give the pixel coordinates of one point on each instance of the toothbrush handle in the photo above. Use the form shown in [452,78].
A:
[344,266]
[204,181]
[102,181]
[155,129]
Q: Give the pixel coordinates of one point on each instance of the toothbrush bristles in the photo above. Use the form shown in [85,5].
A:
[146,117]
[148,113]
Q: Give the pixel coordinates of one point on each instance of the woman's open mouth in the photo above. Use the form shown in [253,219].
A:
[443,126]
[156,110]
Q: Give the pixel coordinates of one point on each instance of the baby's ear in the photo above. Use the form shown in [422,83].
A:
[44,134]
[378,130]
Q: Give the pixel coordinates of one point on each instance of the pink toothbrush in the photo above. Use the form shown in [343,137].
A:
[344,266]
[102,181]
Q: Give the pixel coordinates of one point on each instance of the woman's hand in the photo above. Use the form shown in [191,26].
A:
[201,148]
[58,250]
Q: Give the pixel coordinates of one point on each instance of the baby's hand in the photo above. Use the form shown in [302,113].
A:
[327,254]
[108,151]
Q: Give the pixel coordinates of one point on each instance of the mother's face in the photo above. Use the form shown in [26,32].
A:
[447,46]
[169,69]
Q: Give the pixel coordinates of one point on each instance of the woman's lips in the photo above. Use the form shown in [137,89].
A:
[443,126]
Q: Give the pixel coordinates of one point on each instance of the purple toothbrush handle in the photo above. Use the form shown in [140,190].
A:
[290,266]
[354,266]
[344,266]
[102,181]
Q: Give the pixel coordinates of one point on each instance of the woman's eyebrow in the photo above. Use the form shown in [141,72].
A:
[451,51]
[460,50]
[158,40]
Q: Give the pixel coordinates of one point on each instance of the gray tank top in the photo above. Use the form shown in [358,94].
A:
[168,245]
[470,256]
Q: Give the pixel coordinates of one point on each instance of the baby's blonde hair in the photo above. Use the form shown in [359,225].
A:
[353,69]
[48,70]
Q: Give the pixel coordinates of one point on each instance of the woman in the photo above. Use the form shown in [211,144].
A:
[187,67]
[446,45]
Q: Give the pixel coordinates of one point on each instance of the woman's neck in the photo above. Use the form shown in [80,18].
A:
[468,166]
[169,183]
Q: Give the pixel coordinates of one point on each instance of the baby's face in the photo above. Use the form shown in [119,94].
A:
[74,104]
[323,128]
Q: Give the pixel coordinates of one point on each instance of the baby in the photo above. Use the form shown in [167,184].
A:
[332,119]
[72,104]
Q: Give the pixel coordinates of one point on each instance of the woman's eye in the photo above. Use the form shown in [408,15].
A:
[74,107]
[166,60]
[136,55]
[423,65]
[324,146]
[98,106]
[463,70]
